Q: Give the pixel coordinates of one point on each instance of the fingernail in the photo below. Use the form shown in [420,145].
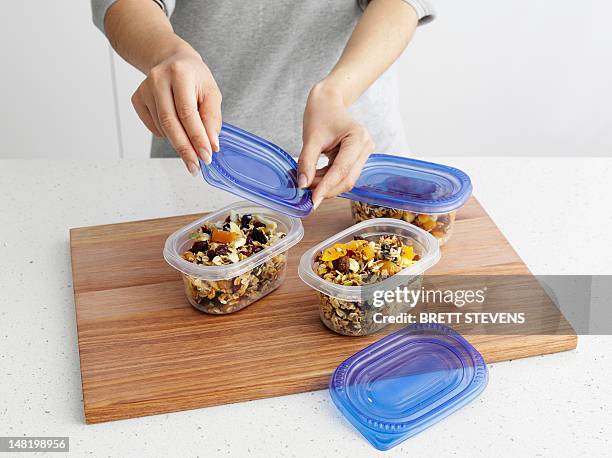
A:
[194,168]
[302,181]
[206,156]
[316,202]
[216,144]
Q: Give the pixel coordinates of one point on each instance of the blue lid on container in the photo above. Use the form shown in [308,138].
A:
[410,184]
[257,170]
[406,382]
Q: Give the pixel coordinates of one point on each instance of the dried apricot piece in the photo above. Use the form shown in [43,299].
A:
[429,225]
[408,252]
[223,236]
[354,245]
[367,251]
[334,252]
[390,267]
[408,256]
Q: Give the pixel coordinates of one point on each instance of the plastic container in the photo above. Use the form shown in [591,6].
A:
[438,225]
[406,382]
[353,310]
[422,193]
[229,288]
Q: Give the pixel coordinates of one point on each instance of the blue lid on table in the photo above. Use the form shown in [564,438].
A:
[255,169]
[410,184]
[406,382]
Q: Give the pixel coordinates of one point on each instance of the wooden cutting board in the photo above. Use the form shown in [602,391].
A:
[144,350]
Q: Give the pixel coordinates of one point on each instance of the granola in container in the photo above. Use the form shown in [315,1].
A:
[233,257]
[350,271]
[424,194]
[438,225]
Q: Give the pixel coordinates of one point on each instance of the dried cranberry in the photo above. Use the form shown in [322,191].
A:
[205,230]
[226,226]
[257,248]
[245,221]
[260,236]
[210,254]
[221,250]
[199,246]
[257,223]
[342,264]
[249,239]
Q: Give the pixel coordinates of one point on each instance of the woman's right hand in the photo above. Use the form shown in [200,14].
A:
[180,100]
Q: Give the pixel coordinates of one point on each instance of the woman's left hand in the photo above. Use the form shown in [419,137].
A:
[330,129]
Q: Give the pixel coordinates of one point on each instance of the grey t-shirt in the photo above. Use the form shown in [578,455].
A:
[267,54]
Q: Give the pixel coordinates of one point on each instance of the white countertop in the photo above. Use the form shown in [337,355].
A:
[557,213]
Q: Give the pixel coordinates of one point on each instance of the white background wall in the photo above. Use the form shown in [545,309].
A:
[525,77]
[56,95]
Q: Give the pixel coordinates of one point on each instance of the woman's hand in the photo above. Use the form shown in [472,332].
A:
[180,100]
[330,129]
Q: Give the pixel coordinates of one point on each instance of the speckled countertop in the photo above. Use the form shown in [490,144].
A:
[555,212]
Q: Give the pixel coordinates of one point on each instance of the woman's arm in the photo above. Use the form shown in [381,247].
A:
[380,36]
[179,99]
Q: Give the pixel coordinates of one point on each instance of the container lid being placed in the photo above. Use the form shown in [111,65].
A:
[257,170]
[406,382]
[410,184]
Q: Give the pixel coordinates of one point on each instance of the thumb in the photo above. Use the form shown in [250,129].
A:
[307,164]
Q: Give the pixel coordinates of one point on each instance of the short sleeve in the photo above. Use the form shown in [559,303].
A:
[423,8]
[100,7]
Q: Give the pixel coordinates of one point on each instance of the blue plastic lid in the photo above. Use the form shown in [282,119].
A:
[257,170]
[410,184]
[406,382]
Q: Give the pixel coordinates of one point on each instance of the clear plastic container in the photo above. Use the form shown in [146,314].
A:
[439,225]
[229,288]
[425,194]
[356,310]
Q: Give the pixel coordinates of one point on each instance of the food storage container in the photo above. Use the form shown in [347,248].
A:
[220,289]
[406,382]
[422,193]
[361,310]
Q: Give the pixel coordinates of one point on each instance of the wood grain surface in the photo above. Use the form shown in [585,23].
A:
[144,350]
